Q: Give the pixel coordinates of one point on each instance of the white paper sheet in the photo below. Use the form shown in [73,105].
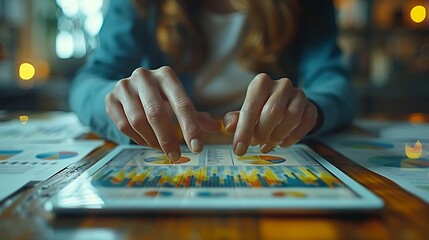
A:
[49,127]
[387,157]
[10,183]
[20,164]
[394,129]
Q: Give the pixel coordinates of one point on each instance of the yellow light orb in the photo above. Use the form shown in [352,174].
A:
[26,71]
[418,14]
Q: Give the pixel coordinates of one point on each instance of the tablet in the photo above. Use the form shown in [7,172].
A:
[134,179]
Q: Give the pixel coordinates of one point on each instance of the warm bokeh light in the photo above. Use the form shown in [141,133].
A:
[43,69]
[414,152]
[23,119]
[418,14]
[417,118]
[26,71]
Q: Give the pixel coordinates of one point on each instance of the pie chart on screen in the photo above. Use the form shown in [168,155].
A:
[163,160]
[60,155]
[210,194]
[158,194]
[261,159]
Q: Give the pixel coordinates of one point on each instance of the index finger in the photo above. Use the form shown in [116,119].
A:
[256,96]
[182,107]
[157,115]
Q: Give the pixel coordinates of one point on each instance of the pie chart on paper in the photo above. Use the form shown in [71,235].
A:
[6,154]
[399,162]
[60,155]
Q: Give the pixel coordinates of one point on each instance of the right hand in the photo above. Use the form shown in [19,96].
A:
[144,105]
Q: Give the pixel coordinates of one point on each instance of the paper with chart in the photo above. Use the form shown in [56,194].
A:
[388,158]
[49,127]
[20,164]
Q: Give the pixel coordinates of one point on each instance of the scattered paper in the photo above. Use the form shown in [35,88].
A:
[388,158]
[51,127]
[20,164]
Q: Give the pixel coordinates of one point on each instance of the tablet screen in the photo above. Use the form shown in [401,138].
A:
[138,177]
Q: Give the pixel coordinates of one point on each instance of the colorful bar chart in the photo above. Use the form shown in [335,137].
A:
[215,177]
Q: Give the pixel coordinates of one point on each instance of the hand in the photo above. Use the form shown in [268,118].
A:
[144,105]
[273,113]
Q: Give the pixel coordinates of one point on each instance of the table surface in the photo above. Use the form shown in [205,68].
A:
[403,217]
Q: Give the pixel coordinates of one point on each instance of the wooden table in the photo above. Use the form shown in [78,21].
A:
[404,216]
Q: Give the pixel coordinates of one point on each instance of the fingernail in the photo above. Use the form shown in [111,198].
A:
[196,145]
[240,149]
[224,129]
[227,128]
[266,148]
[173,156]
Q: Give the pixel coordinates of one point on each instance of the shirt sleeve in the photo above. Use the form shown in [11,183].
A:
[120,50]
[323,77]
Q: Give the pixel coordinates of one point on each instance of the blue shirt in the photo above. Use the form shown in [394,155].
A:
[128,41]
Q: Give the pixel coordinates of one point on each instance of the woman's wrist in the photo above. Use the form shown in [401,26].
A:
[319,120]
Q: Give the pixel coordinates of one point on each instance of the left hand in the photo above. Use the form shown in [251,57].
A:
[273,113]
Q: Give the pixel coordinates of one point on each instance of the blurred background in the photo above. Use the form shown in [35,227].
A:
[385,45]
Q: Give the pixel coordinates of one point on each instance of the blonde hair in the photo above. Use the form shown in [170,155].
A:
[271,26]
